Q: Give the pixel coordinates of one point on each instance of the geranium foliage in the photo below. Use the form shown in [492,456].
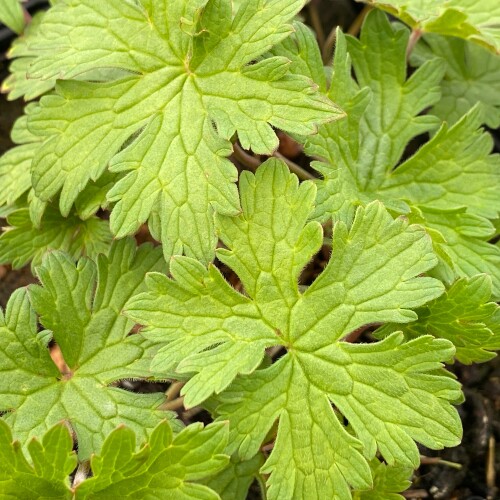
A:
[217,333]
[189,60]
[79,306]
[255,265]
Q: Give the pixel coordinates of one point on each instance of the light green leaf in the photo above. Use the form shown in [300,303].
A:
[81,307]
[53,461]
[372,277]
[232,482]
[6,210]
[94,196]
[12,15]
[15,164]
[17,84]
[22,241]
[464,316]
[361,156]
[164,468]
[387,482]
[454,169]
[190,85]
[24,51]
[472,75]
[15,176]
[478,21]
[464,238]
[302,49]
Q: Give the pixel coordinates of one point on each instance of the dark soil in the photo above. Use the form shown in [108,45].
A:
[478,455]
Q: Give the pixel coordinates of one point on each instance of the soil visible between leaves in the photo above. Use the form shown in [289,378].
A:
[478,455]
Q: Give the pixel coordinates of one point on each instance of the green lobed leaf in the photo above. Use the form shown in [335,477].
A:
[391,392]
[301,48]
[463,238]
[232,482]
[24,51]
[47,477]
[12,15]
[464,315]
[472,75]
[15,175]
[15,164]
[190,84]
[388,482]
[166,467]
[81,308]
[17,84]
[23,241]
[478,21]
[361,156]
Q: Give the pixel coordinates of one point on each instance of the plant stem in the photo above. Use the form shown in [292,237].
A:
[174,390]
[418,494]
[247,160]
[302,174]
[316,23]
[273,351]
[490,464]
[355,27]
[412,42]
[439,461]
[81,473]
[189,414]
[173,405]
[27,15]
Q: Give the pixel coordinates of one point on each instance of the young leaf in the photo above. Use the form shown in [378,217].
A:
[464,316]
[387,482]
[12,15]
[53,461]
[472,75]
[81,308]
[452,171]
[391,392]
[190,85]
[23,241]
[167,467]
[472,20]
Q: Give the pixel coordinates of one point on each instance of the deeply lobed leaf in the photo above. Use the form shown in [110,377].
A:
[53,462]
[463,315]
[15,164]
[233,482]
[391,392]
[469,19]
[472,75]
[191,75]
[388,482]
[23,241]
[165,467]
[449,185]
[80,306]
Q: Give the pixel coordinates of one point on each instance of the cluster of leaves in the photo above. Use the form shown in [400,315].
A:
[138,104]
